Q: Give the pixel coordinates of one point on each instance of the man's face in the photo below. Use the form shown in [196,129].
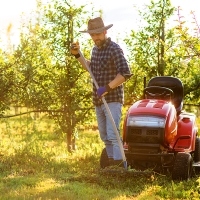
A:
[99,38]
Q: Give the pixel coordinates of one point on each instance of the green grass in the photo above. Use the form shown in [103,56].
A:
[35,164]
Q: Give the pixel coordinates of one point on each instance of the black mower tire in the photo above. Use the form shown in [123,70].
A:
[197,154]
[182,169]
[104,161]
[197,150]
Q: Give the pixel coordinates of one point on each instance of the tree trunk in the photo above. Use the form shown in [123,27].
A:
[70,142]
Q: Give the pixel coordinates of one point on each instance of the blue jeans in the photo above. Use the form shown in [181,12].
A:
[106,130]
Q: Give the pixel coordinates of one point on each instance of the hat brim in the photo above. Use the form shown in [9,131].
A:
[99,30]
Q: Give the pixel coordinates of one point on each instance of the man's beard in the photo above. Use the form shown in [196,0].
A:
[100,43]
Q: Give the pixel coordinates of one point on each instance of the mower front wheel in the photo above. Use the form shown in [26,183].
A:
[197,154]
[197,150]
[104,161]
[182,169]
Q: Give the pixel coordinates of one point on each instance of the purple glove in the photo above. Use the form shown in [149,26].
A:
[103,91]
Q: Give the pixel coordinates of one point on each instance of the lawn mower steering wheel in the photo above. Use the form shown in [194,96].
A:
[158,92]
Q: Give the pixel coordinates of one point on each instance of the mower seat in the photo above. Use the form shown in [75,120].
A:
[172,83]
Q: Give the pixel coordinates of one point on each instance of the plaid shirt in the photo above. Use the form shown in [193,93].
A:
[106,63]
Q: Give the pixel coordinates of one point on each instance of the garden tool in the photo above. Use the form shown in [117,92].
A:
[108,111]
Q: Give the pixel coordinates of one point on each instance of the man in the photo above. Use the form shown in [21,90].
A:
[110,69]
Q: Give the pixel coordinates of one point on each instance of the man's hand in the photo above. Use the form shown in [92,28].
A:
[74,49]
[103,91]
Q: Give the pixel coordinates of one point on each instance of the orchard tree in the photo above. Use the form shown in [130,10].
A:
[7,81]
[190,45]
[52,79]
[7,73]
[147,45]
[157,49]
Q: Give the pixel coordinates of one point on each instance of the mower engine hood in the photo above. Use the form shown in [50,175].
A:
[159,112]
[150,106]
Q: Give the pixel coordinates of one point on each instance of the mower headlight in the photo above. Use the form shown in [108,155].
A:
[146,121]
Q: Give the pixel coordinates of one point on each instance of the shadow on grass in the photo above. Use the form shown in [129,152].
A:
[26,175]
[39,167]
[30,176]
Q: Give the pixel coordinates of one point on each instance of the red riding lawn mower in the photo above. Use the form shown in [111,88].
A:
[158,134]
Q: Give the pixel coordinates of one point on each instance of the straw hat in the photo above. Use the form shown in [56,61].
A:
[96,25]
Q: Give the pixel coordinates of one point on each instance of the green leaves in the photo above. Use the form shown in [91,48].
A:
[158,49]
[50,78]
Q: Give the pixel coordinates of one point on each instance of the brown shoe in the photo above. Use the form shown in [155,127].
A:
[111,161]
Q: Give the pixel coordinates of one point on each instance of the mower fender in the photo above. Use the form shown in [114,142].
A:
[186,135]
